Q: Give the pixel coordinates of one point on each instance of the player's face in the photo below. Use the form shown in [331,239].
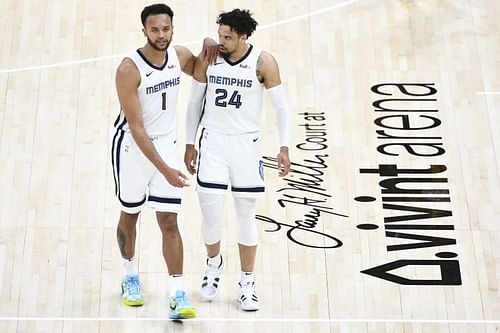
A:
[158,30]
[229,40]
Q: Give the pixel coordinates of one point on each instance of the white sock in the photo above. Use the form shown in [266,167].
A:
[176,283]
[215,261]
[246,277]
[130,266]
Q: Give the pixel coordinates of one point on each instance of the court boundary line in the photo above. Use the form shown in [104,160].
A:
[488,92]
[260,320]
[263,27]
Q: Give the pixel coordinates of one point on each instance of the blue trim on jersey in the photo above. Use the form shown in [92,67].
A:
[115,162]
[203,108]
[211,185]
[203,184]
[115,158]
[165,200]
[160,68]
[132,204]
[117,121]
[248,189]
[240,59]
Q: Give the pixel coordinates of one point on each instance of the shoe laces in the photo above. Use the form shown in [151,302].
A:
[213,271]
[133,285]
[247,287]
[181,299]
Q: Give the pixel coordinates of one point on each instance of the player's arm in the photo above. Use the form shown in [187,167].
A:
[193,114]
[268,73]
[209,52]
[127,81]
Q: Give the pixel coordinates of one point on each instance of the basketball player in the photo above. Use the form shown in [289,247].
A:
[230,147]
[144,154]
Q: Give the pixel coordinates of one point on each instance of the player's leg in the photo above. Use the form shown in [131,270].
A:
[166,201]
[126,234]
[130,184]
[212,184]
[173,253]
[212,209]
[247,244]
[247,178]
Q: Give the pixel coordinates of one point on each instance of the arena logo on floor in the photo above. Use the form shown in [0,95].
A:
[415,200]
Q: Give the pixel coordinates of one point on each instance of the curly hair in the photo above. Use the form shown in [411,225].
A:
[240,20]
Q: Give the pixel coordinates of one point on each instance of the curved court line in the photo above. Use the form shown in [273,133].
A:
[261,320]
[267,26]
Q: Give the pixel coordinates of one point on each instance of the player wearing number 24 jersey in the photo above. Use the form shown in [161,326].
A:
[234,95]
[230,150]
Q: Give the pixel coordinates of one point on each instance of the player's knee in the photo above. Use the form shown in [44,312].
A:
[167,221]
[127,220]
[212,208]
[245,213]
[211,233]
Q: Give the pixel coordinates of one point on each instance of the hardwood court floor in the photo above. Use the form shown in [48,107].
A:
[362,236]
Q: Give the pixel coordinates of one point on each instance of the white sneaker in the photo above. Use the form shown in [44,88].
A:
[248,300]
[211,281]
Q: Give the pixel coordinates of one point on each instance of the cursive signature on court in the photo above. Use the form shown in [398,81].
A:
[302,227]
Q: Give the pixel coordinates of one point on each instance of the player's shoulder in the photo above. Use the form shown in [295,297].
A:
[127,69]
[127,66]
[266,59]
[182,52]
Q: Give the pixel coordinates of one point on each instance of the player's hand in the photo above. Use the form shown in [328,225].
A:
[190,157]
[175,178]
[210,50]
[283,162]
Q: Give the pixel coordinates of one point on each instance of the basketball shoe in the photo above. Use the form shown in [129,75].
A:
[248,300]
[180,308]
[131,291]
[211,280]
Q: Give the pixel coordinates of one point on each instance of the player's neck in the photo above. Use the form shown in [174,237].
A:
[154,56]
[239,53]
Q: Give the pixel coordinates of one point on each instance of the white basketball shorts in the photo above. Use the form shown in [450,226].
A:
[137,181]
[234,160]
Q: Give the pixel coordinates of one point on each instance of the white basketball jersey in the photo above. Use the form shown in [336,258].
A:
[157,93]
[233,102]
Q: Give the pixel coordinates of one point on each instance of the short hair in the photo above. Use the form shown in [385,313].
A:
[156,9]
[240,20]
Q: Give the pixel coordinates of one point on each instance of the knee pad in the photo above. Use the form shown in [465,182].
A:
[245,213]
[212,208]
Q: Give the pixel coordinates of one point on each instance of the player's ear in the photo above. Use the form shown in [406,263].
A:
[144,32]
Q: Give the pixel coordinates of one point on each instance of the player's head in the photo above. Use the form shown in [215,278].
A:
[234,29]
[157,25]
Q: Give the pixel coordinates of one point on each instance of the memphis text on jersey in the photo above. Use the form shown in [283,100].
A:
[163,85]
[230,81]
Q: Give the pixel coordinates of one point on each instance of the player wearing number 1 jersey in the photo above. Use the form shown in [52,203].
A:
[230,147]
[144,154]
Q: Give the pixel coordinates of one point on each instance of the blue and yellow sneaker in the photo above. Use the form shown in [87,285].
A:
[180,308]
[131,291]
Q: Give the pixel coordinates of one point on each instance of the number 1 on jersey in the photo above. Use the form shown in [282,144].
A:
[164,101]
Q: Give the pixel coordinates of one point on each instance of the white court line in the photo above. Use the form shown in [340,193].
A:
[260,320]
[267,26]
[61,64]
[488,92]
